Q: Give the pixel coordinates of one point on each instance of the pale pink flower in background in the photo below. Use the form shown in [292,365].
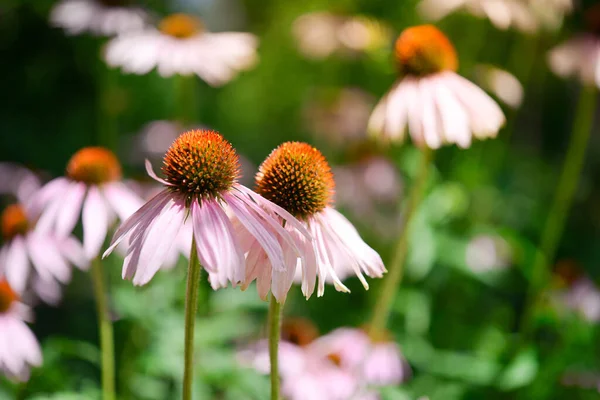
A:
[375,363]
[321,34]
[40,257]
[306,373]
[181,46]
[502,84]
[339,116]
[19,349]
[583,297]
[18,181]
[579,57]
[92,189]
[98,17]
[298,178]
[431,101]
[488,253]
[524,15]
[201,170]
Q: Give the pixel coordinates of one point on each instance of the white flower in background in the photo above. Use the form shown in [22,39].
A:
[201,170]
[25,247]
[297,177]
[502,84]
[18,181]
[583,296]
[92,189]
[98,17]
[579,57]
[338,115]
[180,45]
[19,349]
[430,100]
[487,253]
[320,34]
[525,15]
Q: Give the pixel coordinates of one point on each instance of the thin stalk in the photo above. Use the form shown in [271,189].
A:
[105,330]
[391,284]
[563,199]
[274,334]
[191,307]
[185,88]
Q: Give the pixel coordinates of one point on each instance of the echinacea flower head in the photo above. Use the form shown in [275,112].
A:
[20,349]
[180,45]
[297,177]
[201,169]
[25,247]
[92,188]
[580,55]
[98,17]
[430,100]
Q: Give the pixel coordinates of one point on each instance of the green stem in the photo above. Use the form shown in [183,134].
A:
[185,98]
[191,306]
[385,300]
[563,199]
[274,334]
[106,332]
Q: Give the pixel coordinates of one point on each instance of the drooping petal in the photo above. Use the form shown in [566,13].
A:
[218,248]
[73,252]
[257,228]
[46,258]
[70,208]
[95,223]
[148,211]
[17,265]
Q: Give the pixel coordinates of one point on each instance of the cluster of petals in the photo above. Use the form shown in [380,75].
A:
[579,57]
[344,364]
[62,201]
[150,232]
[49,254]
[81,16]
[437,109]
[524,15]
[19,348]
[214,57]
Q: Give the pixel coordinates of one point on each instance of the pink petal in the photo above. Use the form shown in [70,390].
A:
[218,248]
[46,259]
[70,208]
[256,226]
[95,223]
[151,245]
[282,280]
[17,265]
[72,250]
[148,211]
[153,175]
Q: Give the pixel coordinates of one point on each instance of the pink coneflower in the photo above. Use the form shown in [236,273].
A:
[431,101]
[91,188]
[298,178]
[306,372]
[373,362]
[180,45]
[19,349]
[502,84]
[48,253]
[98,17]
[201,170]
[18,181]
